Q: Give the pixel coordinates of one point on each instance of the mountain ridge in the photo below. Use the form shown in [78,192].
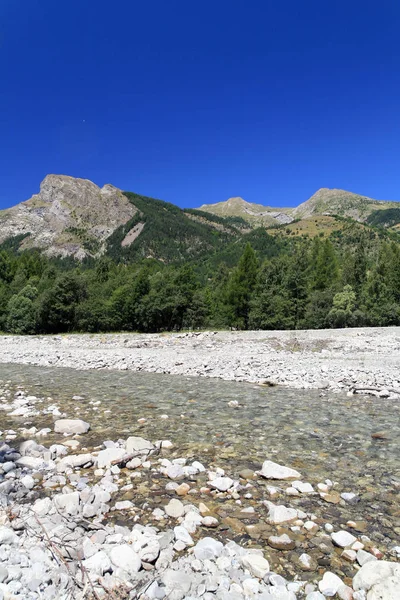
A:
[326,201]
[74,217]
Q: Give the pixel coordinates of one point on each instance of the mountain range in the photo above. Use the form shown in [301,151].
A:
[74,217]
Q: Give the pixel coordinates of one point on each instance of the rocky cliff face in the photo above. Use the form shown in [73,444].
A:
[69,217]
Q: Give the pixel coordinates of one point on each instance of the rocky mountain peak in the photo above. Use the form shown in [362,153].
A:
[69,216]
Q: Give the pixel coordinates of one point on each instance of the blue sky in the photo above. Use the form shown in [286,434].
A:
[194,102]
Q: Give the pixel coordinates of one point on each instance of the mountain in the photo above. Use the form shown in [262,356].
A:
[339,202]
[69,217]
[324,202]
[255,214]
[74,217]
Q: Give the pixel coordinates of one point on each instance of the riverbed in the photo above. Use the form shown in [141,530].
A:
[352,441]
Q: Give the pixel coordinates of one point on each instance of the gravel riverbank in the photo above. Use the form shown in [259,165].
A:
[334,359]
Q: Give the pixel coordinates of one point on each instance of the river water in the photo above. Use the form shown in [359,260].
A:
[321,434]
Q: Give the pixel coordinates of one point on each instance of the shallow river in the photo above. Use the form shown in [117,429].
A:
[323,435]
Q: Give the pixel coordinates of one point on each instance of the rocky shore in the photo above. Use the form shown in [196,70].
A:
[130,518]
[342,359]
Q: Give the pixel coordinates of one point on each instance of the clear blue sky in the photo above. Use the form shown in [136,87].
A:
[194,102]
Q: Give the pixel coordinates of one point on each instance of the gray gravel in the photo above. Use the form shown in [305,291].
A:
[335,359]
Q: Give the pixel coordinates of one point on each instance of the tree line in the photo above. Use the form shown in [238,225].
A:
[319,283]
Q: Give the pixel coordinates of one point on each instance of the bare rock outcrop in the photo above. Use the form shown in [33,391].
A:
[69,217]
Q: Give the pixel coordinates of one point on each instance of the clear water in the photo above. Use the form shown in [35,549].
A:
[322,436]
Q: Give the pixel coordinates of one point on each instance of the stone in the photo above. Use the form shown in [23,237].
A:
[182,489]
[107,456]
[98,563]
[7,536]
[315,596]
[271,470]
[174,508]
[307,562]
[363,557]
[349,555]
[124,557]
[280,514]
[175,472]
[208,548]
[345,593]
[42,507]
[123,505]
[182,535]
[68,503]
[381,579]
[71,426]
[223,484]
[343,539]
[31,462]
[177,583]
[329,584]
[138,444]
[257,565]
[209,522]
[28,482]
[303,488]
[281,542]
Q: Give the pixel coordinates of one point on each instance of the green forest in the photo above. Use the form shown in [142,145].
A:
[253,281]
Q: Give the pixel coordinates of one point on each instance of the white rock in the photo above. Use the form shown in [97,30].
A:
[182,535]
[8,536]
[363,557]
[175,472]
[343,539]
[31,462]
[68,503]
[257,565]
[138,444]
[107,456]
[123,557]
[271,470]
[98,563]
[208,548]
[71,426]
[315,596]
[28,482]
[251,587]
[174,508]
[381,579]
[280,514]
[223,484]
[329,584]
[304,488]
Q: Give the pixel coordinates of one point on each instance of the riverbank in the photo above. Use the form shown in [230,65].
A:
[338,359]
[136,517]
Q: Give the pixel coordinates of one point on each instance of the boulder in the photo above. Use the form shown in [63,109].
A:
[71,426]
[380,579]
